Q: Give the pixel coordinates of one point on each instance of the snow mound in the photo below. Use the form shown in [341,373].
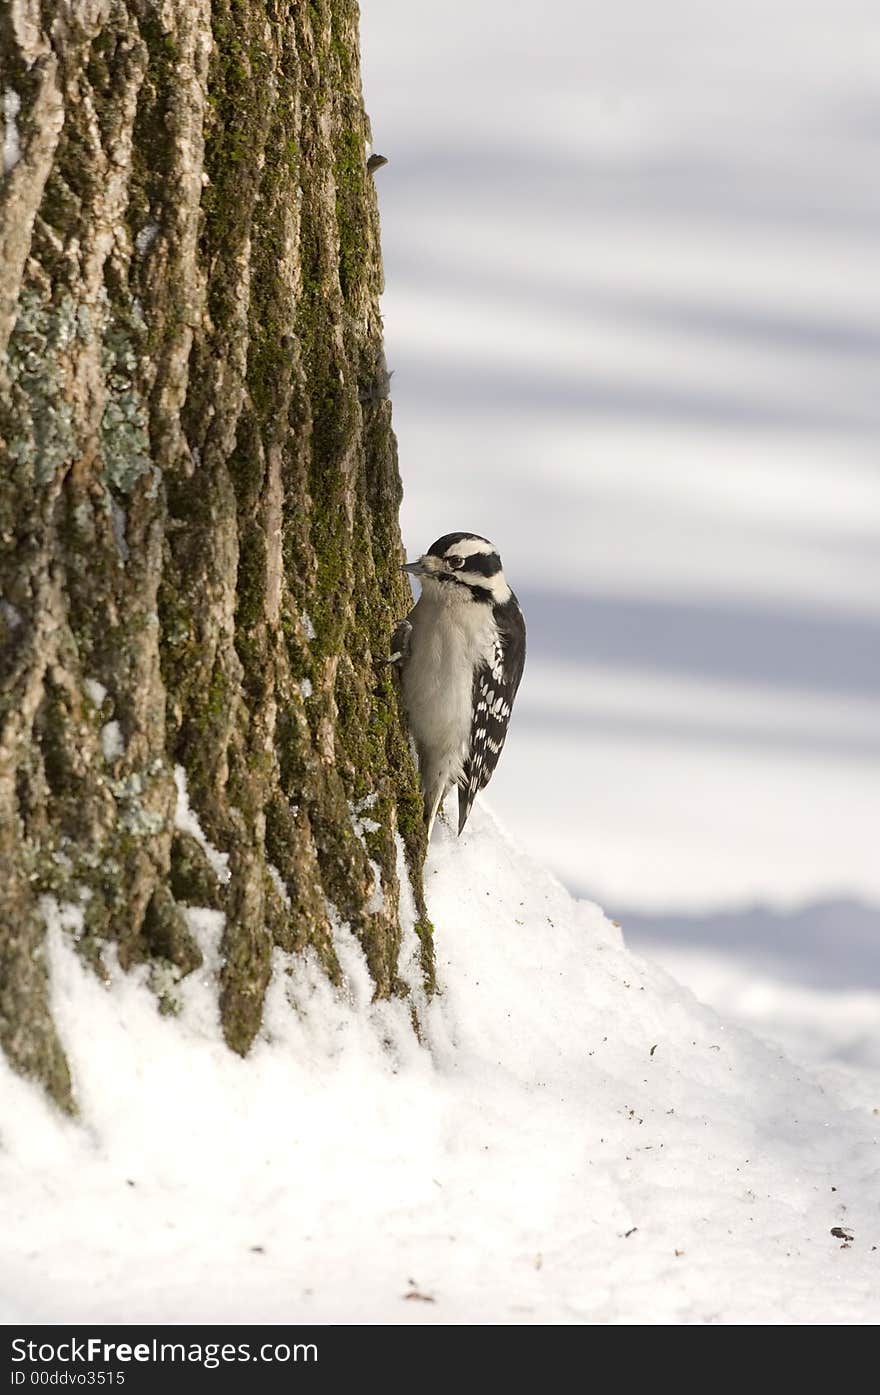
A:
[577,1140]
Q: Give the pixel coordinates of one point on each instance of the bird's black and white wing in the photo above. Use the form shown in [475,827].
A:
[495,683]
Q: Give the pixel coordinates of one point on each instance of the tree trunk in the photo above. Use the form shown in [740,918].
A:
[198,507]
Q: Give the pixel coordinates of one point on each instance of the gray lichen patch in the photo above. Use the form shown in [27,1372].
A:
[134,815]
[39,358]
[126,452]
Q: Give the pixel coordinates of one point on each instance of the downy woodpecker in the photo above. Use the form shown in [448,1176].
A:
[460,655]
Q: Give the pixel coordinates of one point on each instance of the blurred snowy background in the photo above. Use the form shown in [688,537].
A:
[633,309]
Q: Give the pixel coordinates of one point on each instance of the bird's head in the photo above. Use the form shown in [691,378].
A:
[461,568]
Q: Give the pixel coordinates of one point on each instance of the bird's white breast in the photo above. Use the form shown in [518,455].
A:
[450,636]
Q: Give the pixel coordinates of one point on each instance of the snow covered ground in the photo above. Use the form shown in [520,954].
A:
[577,1141]
[632,304]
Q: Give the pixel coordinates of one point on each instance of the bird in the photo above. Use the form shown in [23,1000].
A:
[459,654]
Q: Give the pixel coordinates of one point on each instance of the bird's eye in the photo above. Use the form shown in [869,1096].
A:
[456,563]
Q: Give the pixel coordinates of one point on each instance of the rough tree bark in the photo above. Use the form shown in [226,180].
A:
[199,501]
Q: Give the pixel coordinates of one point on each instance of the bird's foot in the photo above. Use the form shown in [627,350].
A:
[400,644]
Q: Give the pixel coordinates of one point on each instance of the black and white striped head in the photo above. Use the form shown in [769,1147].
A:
[462,567]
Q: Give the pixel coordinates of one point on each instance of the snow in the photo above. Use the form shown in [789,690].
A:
[278,883]
[832,1030]
[112,742]
[95,691]
[632,304]
[186,820]
[11,141]
[362,826]
[576,1140]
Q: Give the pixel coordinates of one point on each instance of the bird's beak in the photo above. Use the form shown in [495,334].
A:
[425,566]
